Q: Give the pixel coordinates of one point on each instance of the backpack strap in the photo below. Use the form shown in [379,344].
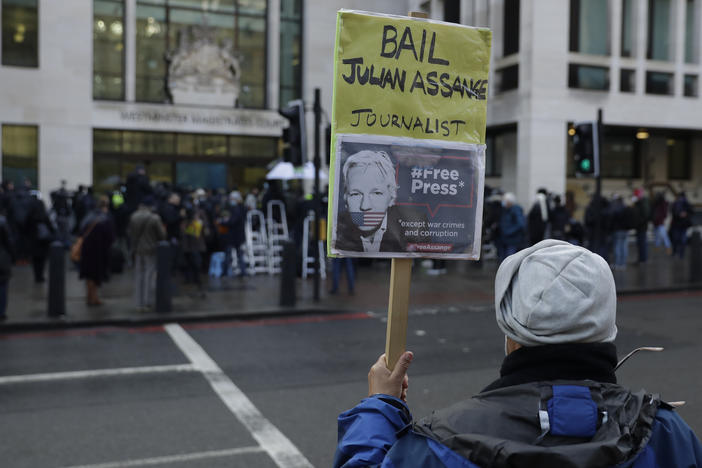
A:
[571,412]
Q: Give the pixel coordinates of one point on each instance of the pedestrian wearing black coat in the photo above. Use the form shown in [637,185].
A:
[7,257]
[98,233]
[559,219]
[172,215]
[682,220]
[600,240]
[235,220]
[19,207]
[40,232]
[538,218]
[137,187]
[7,192]
[642,208]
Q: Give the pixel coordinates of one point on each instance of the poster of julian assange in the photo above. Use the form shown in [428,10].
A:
[400,197]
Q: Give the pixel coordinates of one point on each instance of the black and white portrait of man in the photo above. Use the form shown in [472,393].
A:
[393,197]
[368,219]
[370,189]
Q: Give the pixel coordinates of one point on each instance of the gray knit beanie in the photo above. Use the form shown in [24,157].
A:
[555,292]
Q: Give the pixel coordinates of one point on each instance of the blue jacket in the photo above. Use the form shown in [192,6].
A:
[581,424]
[512,226]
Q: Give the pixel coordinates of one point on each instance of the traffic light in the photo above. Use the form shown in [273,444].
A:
[586,149]
[295,136]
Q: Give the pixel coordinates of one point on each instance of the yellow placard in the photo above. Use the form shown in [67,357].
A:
[406,77]
[410,77]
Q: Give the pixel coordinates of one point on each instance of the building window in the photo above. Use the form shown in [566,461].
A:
[619,157]
[107,141]
[659,29]
[588,77]
[679,161]
[201,145]
[589,27]
[148,143]
[184,159]
[691,32]
[151,44]
[20,33]
[20,153]
[690,84]
[290,51]
[627,27]
[492,162]
[507,78]
[108,49]
[659,83]
[627,80]
[620,153]
[163,26]
[511,27]
[498,141]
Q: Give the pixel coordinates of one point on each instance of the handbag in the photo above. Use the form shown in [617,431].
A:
[78,244]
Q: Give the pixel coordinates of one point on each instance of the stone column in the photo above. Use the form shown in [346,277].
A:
[678,30]
[615,9]
[641,14]
[60,102]
[130,33]
[541,125]
[273,65]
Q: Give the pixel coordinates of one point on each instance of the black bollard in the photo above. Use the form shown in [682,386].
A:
[57,280]
[695,248]
[164,254]
[288,275]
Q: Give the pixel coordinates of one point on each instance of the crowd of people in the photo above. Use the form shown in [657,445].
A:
[605,229]
[106,232]
[125,226]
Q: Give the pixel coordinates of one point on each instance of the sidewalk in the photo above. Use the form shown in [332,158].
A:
[465,284]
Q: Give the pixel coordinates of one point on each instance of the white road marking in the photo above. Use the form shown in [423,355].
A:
[30,378]
[176,458]
[274,442]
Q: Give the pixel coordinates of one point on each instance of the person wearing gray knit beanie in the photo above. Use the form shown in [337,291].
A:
[556,403]
[555,292]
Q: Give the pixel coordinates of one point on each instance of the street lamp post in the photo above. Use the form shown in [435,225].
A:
[317,163]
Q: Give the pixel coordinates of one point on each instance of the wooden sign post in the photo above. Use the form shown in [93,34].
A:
[396,337]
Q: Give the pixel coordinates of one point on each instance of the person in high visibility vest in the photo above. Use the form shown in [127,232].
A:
[117,199]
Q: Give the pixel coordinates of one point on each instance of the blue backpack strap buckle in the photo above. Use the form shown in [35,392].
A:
[572,412]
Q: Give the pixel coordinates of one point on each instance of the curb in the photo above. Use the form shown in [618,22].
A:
[67,323]
[668,290]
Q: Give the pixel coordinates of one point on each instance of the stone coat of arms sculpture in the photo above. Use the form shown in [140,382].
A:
[202,71]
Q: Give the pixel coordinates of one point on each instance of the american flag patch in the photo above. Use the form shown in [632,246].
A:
[366,218]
